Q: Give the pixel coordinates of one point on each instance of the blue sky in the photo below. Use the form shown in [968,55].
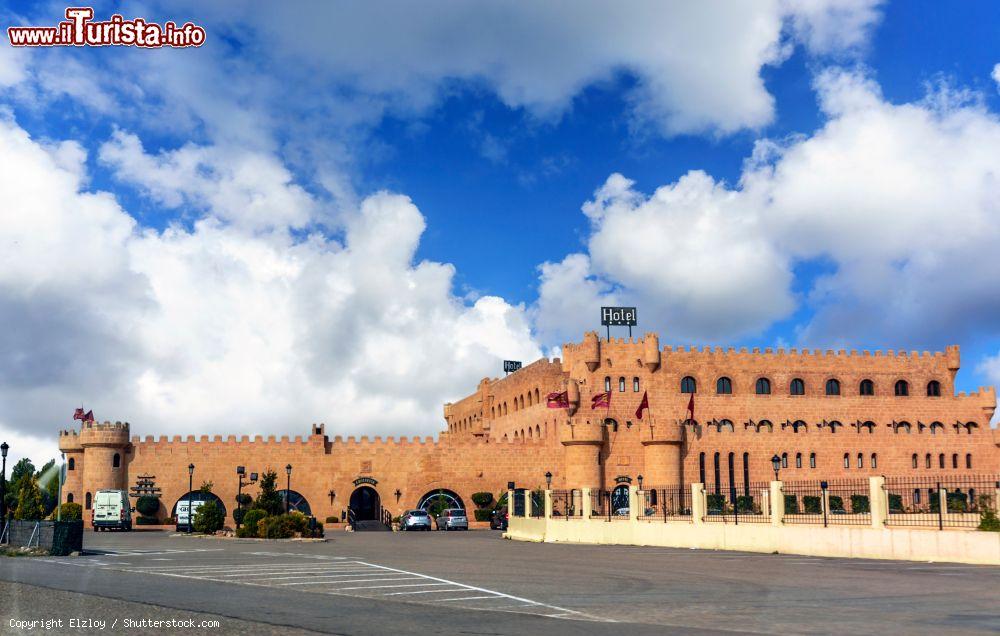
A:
[380,203]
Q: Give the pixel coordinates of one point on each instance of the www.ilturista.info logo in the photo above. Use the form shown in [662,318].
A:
[79,29]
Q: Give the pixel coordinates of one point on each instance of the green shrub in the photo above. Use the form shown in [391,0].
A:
[483,514]
[715,502]
[250,520]
[957,501]
[895,502]
[147,521]
[395,519]
[299,521]
[812,504]
[238,515]
[29,501]
[69,512]
[209,518]
[860,504]
[268,499]
[791,504]
[836,503]
[148,506]
[482,499]
[276,527]
[243,499]
[988,520]
[744,503]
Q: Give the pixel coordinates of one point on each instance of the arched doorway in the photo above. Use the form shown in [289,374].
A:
[437,500]
[365,504]
[619,498]
[296,502]
[198,495]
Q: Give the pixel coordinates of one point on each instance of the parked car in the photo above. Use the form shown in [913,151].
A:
[498,520]
[452,519]
[415,520]
[182,513]
[111,511]
[622,512]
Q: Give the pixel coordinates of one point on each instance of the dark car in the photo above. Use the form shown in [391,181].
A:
[415,520]
[498,520]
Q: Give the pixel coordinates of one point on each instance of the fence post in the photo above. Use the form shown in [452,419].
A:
[826,502]
[942,505]
[697,504]
[585,508]
[777,504]
[878,501]
[765,502]
[633,503]
[510,505]
[996,498]
[548,504]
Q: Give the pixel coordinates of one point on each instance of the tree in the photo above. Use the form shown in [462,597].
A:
[69,512]
[23,468]
[268,499]
[29,500]
[209,518]
[206,487]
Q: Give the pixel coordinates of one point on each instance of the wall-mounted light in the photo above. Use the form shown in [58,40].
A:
[548,480]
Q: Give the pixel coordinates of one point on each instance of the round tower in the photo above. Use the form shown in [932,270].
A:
[69,443]
[104,456]
[661,445]
[583,442]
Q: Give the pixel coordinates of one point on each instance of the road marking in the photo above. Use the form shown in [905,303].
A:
[407,578]
[421,591]
[465,598]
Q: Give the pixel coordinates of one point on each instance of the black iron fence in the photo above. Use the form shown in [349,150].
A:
[946,501]
[835,502]
[668,502]
[537,503]
[567,504]
[744,502]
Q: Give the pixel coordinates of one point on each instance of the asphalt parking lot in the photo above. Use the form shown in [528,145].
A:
[476,582]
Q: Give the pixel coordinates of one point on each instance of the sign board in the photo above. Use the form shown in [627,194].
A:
[365,480]
[623,479]
[510,366]
[618,316]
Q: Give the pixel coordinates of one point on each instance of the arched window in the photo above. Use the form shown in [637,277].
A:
[536,396]
[688,385]
[933,389]
[798,425]
[716,467]
[635,385]
[968,460]
[69,498]
[927,460]
[72,464]
[784,460]
[847,460]
[870,426]
[833,426]
[612,424]
[874,459]
[797,387]
[903,427]
[763,386]
[701,466]
[765,424]
[941,460]
[832,387]
[861,460]
[726,425]
[116,461]
[902,388]
[914,460]
[867,387]
[87,501]
[812,460]
[724,386]
[607,384]
[798,460]
[538,431]
[621,385]
[531,433]
[954,460]
[493,412]
[529,398]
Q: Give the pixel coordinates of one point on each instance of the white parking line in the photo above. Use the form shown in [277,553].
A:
[464,598]
[421,591]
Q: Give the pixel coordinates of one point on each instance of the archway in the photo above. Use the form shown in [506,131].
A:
[437,500]
[619,498]
[296,502]
[198,495]
[365,503]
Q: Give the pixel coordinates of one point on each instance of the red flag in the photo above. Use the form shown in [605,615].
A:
[557,400]
[643,406]
[691,408]
[601,399]
[78,414]
[89,417]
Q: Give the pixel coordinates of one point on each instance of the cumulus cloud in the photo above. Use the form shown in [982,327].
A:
[900,201]
[222,326]
[996,75]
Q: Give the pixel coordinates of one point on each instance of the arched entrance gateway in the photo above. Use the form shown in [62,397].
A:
[365,503]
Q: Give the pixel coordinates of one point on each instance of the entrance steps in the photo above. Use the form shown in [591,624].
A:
[371,525]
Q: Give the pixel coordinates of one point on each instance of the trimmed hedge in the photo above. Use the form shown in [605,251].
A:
[836,503]
[791,504]
[744,503]
[482,499]
[812,504]
[483,514]
[147,505]
[250,521]
[860,504]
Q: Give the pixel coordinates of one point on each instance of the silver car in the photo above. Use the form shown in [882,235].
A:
[415,520]
[452,519]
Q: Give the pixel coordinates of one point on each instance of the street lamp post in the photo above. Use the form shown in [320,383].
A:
[240,471]
[548,480]
[288,486]
[776,465]
[190,488]
[3,482]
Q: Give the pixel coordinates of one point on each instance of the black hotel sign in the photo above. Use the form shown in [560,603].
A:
[510,366]
[618,316]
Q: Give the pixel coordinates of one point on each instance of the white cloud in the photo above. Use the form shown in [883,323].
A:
[989,367]
[898,201]
[221,326]
[996,75]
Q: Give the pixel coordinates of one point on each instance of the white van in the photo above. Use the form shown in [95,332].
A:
[111,510]
[182,513]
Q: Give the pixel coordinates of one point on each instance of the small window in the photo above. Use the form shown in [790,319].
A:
[621,385]
[635,385]
[798,425]
[797,387]
[903,427]
[916,495]
[861,460]
[812,460]
[688,385]
[941,460]
[847,460]
[927,460]
[726,425]
[763,386]
[833,426]
[869,426]
[832,387]
[798,460]
[968,460]
[914,460]
[116,461]
[69,498]
[765,424]
[607,384]
[933,389]
[874,459]
[87,501]
[902,388]
[937,427]
[724,386]
[72,464]
[954,460]
[784,460]
[867,387]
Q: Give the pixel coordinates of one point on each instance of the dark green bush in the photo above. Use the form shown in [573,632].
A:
[482,499]
[715,502]
[483,514]
[276,527]
[988,520]
[209,518]
[148,506]
[268,499]
[244,500]
[70,512]
[744,503]
[299,521]
[147,521]
[812,504]
[250,521]
[836,503]
[791,504]
[238,515]
[860,504]
[895,502]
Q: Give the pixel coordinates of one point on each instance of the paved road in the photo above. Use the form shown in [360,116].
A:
[476,582]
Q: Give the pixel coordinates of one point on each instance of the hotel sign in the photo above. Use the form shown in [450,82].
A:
[365,480]
[618,316]
[510,366]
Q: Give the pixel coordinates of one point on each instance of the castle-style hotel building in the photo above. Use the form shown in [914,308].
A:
[825,414]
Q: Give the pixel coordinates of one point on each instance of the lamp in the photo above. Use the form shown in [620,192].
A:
[240,472]
[639,479]
[288,487]
[3,482]
[776,465]
[548,480]
[253,478]
[190,488]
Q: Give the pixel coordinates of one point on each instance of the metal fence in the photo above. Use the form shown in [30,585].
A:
[537,503]
[600,503]
[841,502]
[917,501]
[567,504]
[745,502]
[669,502]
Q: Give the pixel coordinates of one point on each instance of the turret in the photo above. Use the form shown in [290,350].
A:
[591,350]
[104,462]
[583,442]
[651,352]
[661,445]
[573,395]
[954,359]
